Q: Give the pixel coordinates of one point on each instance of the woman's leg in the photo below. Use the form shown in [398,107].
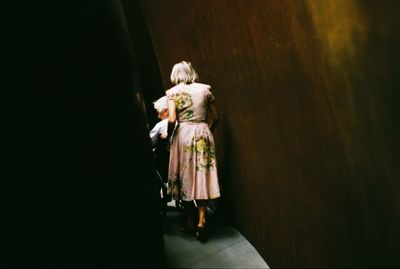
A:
[202,209]
[201,233]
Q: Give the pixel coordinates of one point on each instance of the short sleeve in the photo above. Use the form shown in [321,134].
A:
[170,95]
[210,96]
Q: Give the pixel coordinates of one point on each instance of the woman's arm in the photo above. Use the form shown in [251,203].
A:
[212,116]
[171,112]
[171,116]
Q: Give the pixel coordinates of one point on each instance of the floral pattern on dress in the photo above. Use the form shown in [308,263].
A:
[205,153]
[183,102]
[175,188]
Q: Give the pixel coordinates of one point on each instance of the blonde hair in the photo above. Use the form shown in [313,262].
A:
[183,72]
[161,104]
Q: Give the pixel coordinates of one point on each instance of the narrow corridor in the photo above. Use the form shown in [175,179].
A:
[226,247]
[307,144]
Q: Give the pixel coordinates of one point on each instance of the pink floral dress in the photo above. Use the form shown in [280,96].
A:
[192,168]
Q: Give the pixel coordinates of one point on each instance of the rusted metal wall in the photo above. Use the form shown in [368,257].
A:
[308,142]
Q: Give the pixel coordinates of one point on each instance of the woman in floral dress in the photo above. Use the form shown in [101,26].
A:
[192,168]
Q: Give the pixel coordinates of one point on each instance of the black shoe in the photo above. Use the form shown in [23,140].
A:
[201,234]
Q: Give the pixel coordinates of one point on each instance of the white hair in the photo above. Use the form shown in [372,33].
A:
[183,72]
[161,104]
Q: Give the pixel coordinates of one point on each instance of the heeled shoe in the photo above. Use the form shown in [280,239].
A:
[201,234]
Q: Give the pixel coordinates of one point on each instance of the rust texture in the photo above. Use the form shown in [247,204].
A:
[308,142]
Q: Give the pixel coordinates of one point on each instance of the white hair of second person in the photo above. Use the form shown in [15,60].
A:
[161,104]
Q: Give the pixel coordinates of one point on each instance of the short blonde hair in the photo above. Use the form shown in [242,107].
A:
[183,72]
[161,104]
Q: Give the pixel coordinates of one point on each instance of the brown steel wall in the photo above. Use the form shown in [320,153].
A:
[308,142]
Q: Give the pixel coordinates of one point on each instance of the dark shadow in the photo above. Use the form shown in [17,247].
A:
[225,161]
[147,63]
[77,162]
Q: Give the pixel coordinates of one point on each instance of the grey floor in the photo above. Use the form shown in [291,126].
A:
[226,247]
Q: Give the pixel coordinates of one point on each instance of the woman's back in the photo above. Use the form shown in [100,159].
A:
[192,173]
[192,101]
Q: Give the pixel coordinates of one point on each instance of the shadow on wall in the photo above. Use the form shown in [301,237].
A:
[148,70]
[225,156]
[77,162]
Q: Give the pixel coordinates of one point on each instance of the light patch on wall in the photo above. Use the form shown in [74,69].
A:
[341,27]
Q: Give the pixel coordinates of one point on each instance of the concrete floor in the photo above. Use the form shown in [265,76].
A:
[226,247]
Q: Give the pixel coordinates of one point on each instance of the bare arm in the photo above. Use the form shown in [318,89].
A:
[171,112]
[212,116]
[171,116]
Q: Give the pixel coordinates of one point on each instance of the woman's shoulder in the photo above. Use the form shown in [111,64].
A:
[173,90]
[185,87]
[201,85]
